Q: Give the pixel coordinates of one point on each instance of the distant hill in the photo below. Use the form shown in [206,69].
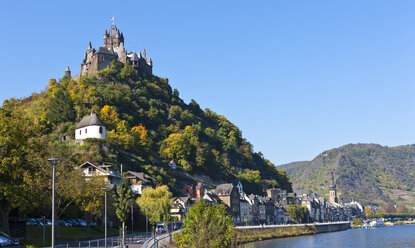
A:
[369,173]
[290,168]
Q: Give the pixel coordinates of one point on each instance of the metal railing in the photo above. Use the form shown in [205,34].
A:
[159,240]
[136,238]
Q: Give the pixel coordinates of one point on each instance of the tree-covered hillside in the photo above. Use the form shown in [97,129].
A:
[148,125]
[369,173]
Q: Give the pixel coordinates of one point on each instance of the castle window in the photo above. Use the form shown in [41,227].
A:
[100,129]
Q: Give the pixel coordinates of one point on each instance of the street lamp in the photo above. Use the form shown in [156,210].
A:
[53,162]
[105,214]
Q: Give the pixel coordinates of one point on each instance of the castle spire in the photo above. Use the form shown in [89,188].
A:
[144,54]
[89,46]
[68,72]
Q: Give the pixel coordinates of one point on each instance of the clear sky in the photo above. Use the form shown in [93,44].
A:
[297,77]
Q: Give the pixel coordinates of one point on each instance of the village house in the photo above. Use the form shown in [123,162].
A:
[229,195]
[105,171]
[139,181]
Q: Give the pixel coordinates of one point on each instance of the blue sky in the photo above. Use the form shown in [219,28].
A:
[298,77]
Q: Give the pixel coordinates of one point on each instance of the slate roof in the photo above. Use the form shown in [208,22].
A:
[90,120]
[113,31]
[105,50]
[141,175]
[224,189]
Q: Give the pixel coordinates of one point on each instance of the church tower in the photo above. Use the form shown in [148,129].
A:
[333,191]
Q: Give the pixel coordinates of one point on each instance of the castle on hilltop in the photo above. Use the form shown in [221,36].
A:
[96,60]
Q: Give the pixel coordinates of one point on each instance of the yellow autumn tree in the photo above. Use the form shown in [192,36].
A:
[368,210]
[109,116]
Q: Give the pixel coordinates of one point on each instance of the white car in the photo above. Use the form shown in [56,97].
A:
[5,240]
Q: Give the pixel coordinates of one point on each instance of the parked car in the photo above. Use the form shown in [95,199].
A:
[93,223]
[5,240]
[81,222]
[32,222]
[47,222]
[74,222]
[64,223]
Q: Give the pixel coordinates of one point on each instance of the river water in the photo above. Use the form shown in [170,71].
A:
[391,236]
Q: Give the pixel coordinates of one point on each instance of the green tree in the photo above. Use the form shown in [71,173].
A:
[122,204]
[298,213]
[156,203]
[176,147]
[70,183]
[18,139]
[61,107]
[91,201]
[206,227]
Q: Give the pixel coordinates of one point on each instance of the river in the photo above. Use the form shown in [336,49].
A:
[391,236]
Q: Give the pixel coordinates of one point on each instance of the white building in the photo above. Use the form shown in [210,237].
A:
[90,127]
[246,211]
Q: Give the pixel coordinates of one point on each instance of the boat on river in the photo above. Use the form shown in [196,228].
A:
[377,223]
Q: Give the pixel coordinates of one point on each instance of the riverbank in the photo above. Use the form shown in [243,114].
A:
[248,234]
[383,237]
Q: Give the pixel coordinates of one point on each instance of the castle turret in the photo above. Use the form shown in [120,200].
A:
[113,38]
[68,72]
[333,191]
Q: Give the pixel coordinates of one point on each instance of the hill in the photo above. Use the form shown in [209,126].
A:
[369,173]
[148,125]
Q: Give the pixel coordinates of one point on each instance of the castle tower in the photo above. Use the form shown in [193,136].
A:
[68,72]
[333,191]
[113,38]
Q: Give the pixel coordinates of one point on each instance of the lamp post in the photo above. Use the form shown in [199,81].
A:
[53,162]
[105,215]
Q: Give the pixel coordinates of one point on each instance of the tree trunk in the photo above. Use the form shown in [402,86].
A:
[123,234]
[5,219]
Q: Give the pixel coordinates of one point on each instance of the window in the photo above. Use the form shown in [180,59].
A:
[86,131]
[100,129]
[80,132]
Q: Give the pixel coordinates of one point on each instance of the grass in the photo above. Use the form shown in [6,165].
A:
[35,234]
[251,235]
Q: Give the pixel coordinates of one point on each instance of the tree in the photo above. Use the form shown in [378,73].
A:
[368,210]
[70,183]
[156,203]
[176,147]
[122,204]
[91,201]
[205,227]
[18,139]
[61,107]
[298,213]
[402,209]
[389,208]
